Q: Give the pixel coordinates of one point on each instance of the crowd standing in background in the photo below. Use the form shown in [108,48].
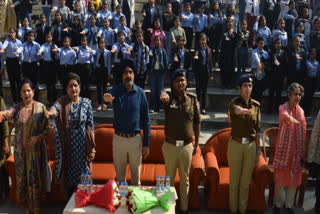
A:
[80,42]
[232,33]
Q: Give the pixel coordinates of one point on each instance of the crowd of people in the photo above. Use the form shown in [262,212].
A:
[91,39]
[178,40]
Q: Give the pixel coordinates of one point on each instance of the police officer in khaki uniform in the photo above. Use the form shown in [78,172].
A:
[182,122]
[244,144]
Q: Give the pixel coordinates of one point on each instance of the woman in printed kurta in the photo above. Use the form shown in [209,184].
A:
[289,153]
[73,134]
[31,128]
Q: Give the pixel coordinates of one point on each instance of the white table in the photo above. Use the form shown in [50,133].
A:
[92,209]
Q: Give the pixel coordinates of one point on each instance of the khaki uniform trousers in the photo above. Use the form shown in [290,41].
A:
[241,158]
[289,196]
[179,157]
[122,149]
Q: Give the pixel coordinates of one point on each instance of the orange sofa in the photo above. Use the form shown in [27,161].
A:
[153,165]
[217,180]
[103,169]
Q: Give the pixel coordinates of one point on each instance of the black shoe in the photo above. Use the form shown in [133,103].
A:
[290,210]
[276,210]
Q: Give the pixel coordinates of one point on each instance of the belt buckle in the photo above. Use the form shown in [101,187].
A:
[245,140]
[179,142]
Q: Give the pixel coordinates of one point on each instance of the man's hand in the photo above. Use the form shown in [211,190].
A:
[108,97]
[12,6]
[195,57]
[164,97]
[145,152]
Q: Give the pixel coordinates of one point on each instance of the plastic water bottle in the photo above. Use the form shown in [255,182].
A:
[158,184]
[121,189]
[162,184]
[90,182]
[85,182]
[81,178]
[167,183]
[125,189]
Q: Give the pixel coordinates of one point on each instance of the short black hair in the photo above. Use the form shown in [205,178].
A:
[25,81]
[73,76]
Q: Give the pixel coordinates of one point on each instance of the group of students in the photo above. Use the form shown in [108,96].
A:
[83,40]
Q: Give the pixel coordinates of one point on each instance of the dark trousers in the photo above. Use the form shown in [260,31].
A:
[317,205]
[275,87]
[310,87]
[139,79]
[117,73]
[197,39]
[102,76]
[13,70]
[259,87]
[85,72]
[64,71]
[242,59]
[189,35]
[48,69]
[156,85]
[176,8]
[202,77]
[31,71]
[215,40]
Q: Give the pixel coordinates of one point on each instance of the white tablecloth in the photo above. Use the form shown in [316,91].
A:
[92,209]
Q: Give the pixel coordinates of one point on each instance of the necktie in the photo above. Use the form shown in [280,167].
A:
[101,59]
[25,34]
[120,53]
[53,54]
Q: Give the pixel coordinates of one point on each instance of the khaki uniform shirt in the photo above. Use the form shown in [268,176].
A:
[181,115]
[245,125]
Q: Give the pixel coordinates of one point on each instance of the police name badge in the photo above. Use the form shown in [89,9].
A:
[179,142]
[173,101]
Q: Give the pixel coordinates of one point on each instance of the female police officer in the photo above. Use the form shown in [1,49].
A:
[243,146]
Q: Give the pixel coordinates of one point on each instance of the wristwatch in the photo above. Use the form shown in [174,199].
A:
[259,152]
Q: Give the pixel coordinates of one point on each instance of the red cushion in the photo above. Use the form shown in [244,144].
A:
[155,148]
[102,171]
[103,138]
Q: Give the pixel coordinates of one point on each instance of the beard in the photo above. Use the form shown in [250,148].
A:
[128,82]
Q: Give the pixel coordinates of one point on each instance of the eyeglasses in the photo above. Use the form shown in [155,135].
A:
[297,94]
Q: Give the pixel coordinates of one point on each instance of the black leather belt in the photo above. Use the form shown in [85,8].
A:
[127,135]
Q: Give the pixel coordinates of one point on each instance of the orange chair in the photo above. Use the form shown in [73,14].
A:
[217,169]
[272,134]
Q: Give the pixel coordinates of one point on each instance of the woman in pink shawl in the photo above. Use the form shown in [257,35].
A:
[288,161]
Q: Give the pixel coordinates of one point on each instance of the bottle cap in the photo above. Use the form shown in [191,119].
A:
[121,183]
[158,176]
[168,176]
[125,183]
[162,177]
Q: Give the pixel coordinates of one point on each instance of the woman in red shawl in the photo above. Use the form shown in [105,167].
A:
[289,153]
